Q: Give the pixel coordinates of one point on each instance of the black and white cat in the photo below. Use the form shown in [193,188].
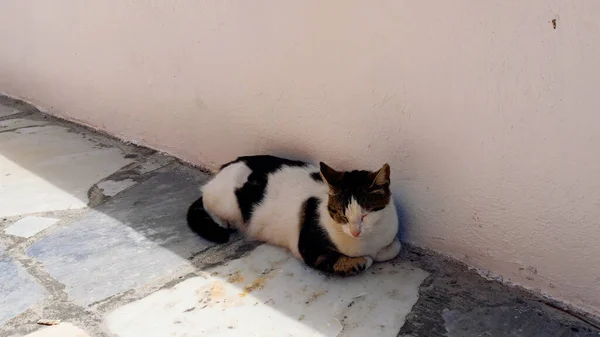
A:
[336,222]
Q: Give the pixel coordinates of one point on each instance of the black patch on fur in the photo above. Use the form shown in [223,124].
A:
[314,244]
[202,224]
[227,164]
[352,185]
[253,191]
[316,176]
[313,241]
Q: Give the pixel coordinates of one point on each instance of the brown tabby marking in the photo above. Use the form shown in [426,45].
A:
[346,265]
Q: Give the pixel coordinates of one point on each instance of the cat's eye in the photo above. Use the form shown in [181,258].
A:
[377,209]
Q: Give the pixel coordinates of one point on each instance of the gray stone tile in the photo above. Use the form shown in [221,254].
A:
[30,226]
[154,162]
[455,301]
[270,293]
[138,236]
[18,289]
[512,319]
[12,124]
[7,111]
[111,188]
[49,168]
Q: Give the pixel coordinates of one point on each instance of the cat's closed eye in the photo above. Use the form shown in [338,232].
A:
[337,213]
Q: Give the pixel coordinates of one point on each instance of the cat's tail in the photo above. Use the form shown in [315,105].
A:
[202,224]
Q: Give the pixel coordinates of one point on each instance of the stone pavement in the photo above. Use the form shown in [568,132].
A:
[93,233]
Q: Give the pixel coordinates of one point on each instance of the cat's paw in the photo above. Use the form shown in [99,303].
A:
[389,252]
[349,266]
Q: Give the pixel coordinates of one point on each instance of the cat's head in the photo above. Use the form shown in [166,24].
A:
[357,198]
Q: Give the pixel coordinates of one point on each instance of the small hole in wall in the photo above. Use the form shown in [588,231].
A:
[554,21]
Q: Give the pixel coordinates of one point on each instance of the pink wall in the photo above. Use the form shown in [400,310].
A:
[489,117]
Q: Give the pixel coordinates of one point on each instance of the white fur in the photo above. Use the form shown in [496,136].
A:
[388,252]
[379,230]
[219,197]
[276,219]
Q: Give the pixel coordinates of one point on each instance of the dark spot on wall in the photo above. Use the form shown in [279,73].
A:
[554,23]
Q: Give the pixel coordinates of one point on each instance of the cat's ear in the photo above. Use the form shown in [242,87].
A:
[381,177]
[330,176]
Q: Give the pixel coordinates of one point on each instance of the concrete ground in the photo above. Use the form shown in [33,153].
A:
[93,233]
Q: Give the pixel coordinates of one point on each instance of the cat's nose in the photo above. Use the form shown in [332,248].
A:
[356,227]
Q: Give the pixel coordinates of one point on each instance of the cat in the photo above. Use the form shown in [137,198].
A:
[337,222]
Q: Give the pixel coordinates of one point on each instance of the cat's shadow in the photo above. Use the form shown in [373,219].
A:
[247,286]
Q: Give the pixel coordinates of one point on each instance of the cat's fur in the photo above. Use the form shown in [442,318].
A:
[336,222]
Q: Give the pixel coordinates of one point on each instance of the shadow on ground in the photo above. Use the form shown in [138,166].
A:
[111,252]
[121,259]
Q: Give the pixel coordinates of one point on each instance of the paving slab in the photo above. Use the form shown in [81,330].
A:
[49,168]
[111,188]
[513,319]
[16,123]
[456,301]
[154,162]
[139,235]
[61,330]
[18,289]
[30,226]
[270,293]
[7,110]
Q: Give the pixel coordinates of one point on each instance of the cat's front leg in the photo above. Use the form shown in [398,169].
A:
[342,265]
[333,262]
[388,252]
